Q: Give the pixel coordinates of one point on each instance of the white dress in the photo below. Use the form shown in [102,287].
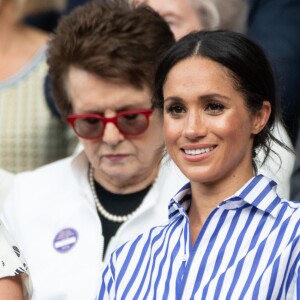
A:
[12,262]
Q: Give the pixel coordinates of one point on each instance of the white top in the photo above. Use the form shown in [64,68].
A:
[6,181]
[59,230]
[279,168]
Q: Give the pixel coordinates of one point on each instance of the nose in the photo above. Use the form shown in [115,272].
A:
[111,135]
[195,126]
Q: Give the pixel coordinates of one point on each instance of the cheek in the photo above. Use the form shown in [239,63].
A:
[171,131]
[154,133]
[232,128]
[90,147]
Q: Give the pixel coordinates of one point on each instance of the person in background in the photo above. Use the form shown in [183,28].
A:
[275,25]
[182,16]
[49,19]
[185,16]
[15,283]
[30,135]
[230,235]
[70,215]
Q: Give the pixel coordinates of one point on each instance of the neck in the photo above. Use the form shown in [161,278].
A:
[125,185]
[206,197]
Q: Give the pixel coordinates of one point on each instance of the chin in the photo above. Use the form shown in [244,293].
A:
[201,177]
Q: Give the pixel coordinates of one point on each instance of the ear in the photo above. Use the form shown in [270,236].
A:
[261,117]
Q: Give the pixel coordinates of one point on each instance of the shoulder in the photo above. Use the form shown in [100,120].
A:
[45,181]
[289,219]
[55,170]
[293,207]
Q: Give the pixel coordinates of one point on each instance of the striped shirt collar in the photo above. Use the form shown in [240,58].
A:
[259,192]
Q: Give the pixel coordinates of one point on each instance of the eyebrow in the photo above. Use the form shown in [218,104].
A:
[213,95]
[202,97]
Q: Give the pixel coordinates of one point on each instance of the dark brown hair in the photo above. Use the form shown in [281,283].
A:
[247,65]
[112,39]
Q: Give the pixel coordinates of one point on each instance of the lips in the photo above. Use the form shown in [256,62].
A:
[115,157]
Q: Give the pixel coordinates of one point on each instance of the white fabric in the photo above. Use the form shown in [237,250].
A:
[12,262]
[279,168]
[57,197]
[6,181]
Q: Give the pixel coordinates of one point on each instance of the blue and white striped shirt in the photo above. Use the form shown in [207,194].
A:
[248,248]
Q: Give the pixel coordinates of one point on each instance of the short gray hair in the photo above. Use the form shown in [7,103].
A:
[222,14]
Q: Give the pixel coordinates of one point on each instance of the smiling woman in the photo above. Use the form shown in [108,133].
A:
[230,236]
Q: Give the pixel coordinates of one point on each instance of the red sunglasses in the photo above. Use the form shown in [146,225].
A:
[129,123]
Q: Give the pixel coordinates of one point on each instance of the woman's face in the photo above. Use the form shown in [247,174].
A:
[207,127]
[122,164]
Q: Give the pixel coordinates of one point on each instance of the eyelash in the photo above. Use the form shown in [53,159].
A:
[175,109]
[214,107]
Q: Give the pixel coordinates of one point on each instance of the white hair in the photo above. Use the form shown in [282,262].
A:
[222,14]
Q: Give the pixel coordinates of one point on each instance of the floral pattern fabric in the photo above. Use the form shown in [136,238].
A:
[12,262]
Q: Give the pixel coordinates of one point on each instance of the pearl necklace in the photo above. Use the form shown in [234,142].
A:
[102,211]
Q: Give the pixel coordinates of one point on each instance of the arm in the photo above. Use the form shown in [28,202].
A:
[11,288]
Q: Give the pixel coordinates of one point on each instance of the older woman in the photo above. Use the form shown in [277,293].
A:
[30,135]
[230,236]
[185,16]
[70,215]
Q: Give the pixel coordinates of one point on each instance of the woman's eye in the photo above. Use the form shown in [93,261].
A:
[91,121]
[130,117]
[215,107]
[175,109]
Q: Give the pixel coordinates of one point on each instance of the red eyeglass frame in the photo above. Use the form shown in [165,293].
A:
[71,119]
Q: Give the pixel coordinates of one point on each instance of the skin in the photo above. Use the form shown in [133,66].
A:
[121,164]
[179,14]
[11,288]
[203,110]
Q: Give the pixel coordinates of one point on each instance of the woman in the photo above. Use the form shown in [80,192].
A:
[76,211]
[14,278]
[185,16]
[230,236]
[30,135]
